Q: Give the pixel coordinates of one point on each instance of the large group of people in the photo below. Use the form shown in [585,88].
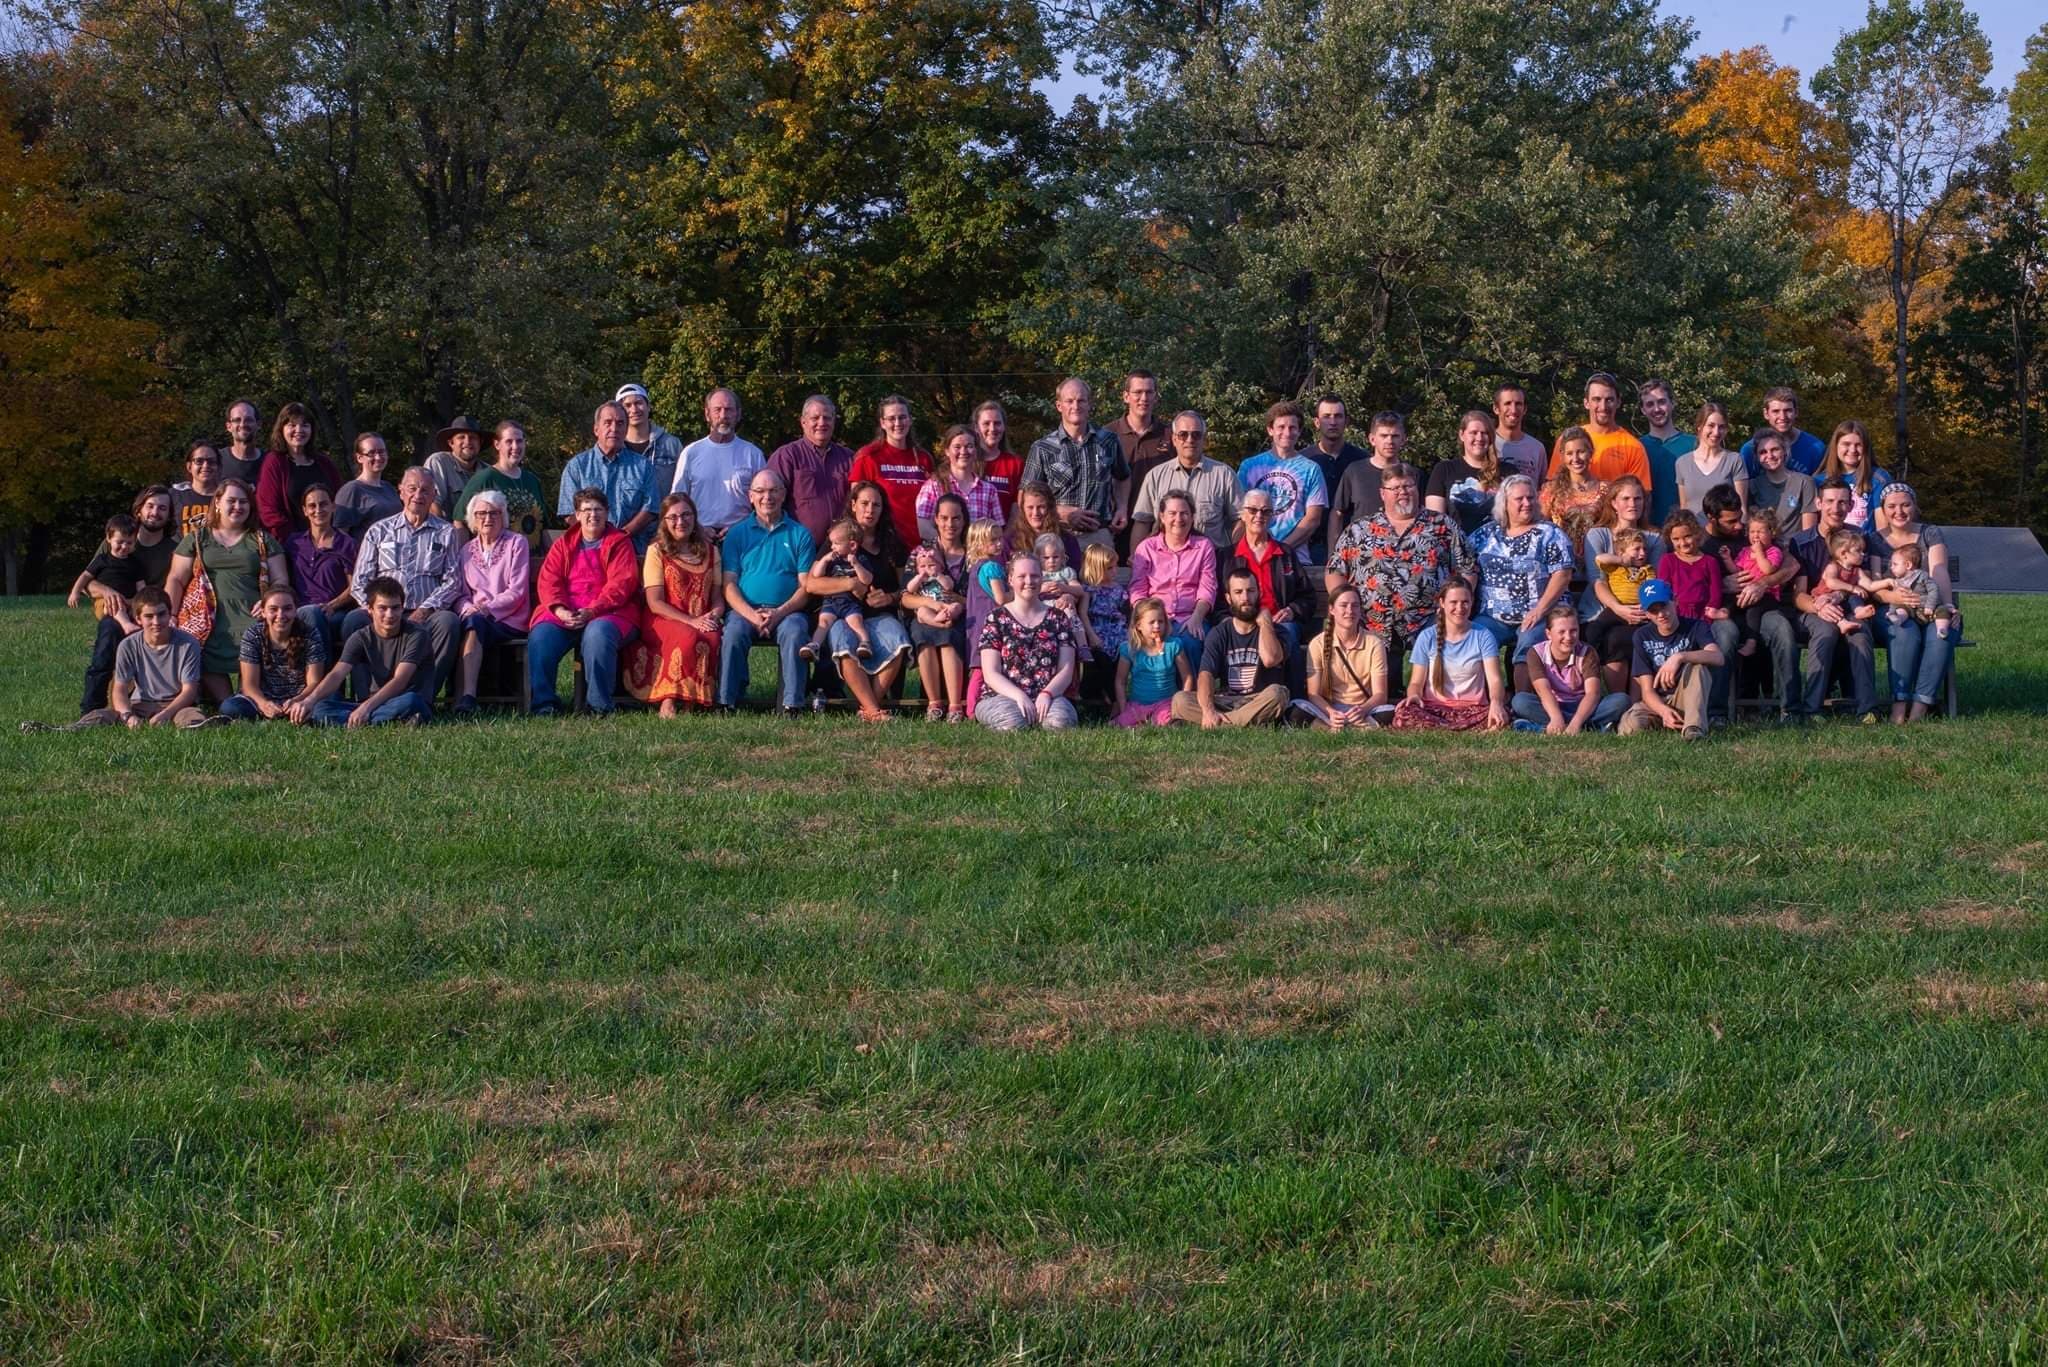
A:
[1618,579]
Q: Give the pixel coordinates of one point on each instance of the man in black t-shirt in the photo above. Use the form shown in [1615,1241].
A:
[1244,665]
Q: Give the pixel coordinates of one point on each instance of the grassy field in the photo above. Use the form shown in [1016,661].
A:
[750,1040]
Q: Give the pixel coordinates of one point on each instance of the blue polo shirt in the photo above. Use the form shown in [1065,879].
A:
[767,561]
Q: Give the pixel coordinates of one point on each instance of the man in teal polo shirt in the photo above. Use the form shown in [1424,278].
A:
[765,557]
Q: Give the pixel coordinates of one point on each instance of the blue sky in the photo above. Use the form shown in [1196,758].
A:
[1807,41]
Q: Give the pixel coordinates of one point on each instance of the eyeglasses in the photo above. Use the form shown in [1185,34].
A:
[1186,436]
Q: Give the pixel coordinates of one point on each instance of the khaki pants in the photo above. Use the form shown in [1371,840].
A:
[106,716]
[1239,709]
[1689,699]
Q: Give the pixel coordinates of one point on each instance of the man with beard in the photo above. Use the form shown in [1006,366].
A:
[1399,559]
[717,469]
[1244,665]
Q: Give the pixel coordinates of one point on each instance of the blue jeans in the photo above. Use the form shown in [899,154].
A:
[1524,639]
[600,643]
[493,631]
[99,673]
[240,708]
[1528,707]
[792,633]
[335,711]
[1916,657]
[328,625]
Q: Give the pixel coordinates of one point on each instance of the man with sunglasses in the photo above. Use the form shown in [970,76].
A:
[1211,485]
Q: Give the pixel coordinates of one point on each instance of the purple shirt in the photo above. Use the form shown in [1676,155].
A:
[319,575]
[496,581]
[817,478]
[1178,578]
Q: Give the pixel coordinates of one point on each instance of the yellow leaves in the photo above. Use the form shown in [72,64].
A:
[1755,133]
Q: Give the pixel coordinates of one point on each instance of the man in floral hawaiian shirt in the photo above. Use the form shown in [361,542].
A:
[1399,559]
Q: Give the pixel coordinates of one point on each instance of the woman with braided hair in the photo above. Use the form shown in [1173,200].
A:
[1347,671]
[1454,682]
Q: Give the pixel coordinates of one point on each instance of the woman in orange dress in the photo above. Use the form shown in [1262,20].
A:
[675,657]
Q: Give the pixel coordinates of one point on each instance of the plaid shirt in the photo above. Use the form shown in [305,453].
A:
[1399,574]
[1082,474]
[422,558]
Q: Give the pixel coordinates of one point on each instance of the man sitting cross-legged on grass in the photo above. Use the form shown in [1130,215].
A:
[1244,664]
[156,673]
[1673,659]
[395,657]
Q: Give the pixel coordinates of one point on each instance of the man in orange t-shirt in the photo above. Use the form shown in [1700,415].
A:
[1616,452]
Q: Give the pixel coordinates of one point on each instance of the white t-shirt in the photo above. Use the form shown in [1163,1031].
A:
[715,475]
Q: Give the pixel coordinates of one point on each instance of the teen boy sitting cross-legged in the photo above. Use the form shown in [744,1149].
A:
[392,662]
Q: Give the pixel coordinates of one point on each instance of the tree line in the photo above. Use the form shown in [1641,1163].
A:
[395,211]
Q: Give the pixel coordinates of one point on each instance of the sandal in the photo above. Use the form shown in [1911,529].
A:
[879,714]
[954,716]
[934,711]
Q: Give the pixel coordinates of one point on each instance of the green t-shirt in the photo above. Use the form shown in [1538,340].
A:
[523,504]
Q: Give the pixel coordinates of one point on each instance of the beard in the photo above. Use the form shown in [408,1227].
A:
[1247,613]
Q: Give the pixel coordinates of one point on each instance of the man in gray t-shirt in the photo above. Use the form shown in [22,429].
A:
[156,673]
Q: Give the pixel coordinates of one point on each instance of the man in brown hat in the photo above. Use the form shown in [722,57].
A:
[462,444]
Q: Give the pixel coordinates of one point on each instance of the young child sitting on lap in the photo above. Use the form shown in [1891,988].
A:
[843,559]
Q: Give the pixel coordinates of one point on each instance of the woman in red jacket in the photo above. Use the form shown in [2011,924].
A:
[290,468]
[588,600]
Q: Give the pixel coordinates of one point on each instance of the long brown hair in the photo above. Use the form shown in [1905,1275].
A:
[1832,465]
[1021,535]
[697,542]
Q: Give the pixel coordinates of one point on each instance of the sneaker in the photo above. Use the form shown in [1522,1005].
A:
[1522,724]
[791,713]
[807,651]
[465,706]
[818,703]
[546,709]
[1692,733]
[1870,718]
[215,720]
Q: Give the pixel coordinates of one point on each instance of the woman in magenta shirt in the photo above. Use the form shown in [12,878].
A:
[589,594]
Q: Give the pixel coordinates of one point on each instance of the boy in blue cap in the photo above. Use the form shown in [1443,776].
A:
[1670,666]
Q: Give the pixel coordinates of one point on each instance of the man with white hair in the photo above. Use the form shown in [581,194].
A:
[716,469]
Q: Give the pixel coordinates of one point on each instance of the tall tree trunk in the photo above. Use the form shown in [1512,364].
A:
[1900,294]
[10,557]
[2022,365]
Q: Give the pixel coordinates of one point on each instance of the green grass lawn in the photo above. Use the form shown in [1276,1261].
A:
[751,1040]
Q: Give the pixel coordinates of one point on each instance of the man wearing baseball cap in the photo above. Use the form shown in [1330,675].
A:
[1671,665]
[649,438]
